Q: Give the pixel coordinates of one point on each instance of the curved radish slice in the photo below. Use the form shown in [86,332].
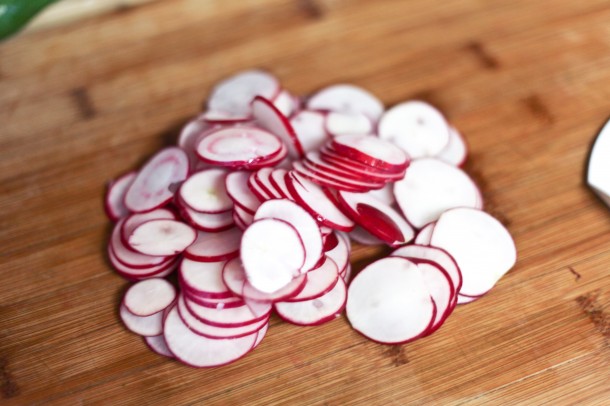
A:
[480,245]
[245,217]
[272,253]
[236,185]
[148,297]
[211,247]
[346,99]
[115,196]
[187,140]
[129,257]
[199,351]
[235,278]
[305,225]
[466,299]
[431,187]
[313,199]
[438,256]
[214,303]
[240,147]
[257,189]
[207,330]
[154,185]
[371,150]
[261,334]
[160,270]
[145,326]
[350,183]
[316,311]
[416,127]
[263,178]
[227,317]
[233,95]
[205,191]
[377,218]
[456,151]
[340,253]
[348,123]
[221,118]
[441,290]
[203,278]
[135,220]
[278,181]
[162,237]
[210,222]
[424,235]
[285,103]
[309,128]
[270,118]
[158,345]
[332,157]
[314,161]
[319,281]
[598,165]
[388,302]
[385,194]
[361,236]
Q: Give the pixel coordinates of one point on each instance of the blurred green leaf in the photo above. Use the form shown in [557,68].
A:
[14,14]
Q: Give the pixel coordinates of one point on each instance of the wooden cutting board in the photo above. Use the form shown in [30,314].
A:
[528,84]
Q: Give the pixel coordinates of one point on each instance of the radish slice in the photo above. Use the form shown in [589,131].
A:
[210,222]
[346,99]
[315,162]
[332,157]
[158,345]
[245,217]
[270,118]
[372,151]
[148,297]
[316,311]
[205,191]
[137,219]
[455,152]
[431,187]
[145,326]
[466,299]
[440,257]
[236,280]
[155,184]
[278,181]
[240,147]
[203,278]
[272,253]
[261,334]
[211,247]
[199,351]
[313,199]
[129,257]
[385,194]
[480,245]
[305,225]
[319,281]
[441,290]
[361,236]
[285,103]
[221,118]
[348,123]
[424,235]
[416,127]
[134,274]
[227,317]
[309,128]
[162,237]
[214,303]
[263,178]
[190,134]
[599,166]
[237,189]
[342,182]
[377,218]
[257,189]
[115,196]
[388,302]
[233,95]
[340,253]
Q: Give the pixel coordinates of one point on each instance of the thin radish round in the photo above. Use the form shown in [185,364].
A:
[267,116]
[340,253]
[129,257]
[240,147]
[148,297]
[162,237]
[285,103]
[199,351]
[319,281]
[233,95]
[346,99]
[263,178]
[431,187]
[348,123]
[114,202]
[203,278]
[334,180]
[278,181]
[480,245]
[309,128]
[133,274]
[134,220]
[158,345]
[305,225]
[424,235]
[456,151]
[236,185]
[145,326]
[272,253]
[227,317]
[441,290]
[315,311]
[213,247]
[388,302]
[372,151]
[205,191]
[154,185]
[210,222]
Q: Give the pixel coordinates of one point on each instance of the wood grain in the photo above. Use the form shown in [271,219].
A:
[528,83]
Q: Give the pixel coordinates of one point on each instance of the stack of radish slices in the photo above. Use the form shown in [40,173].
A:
[254,210]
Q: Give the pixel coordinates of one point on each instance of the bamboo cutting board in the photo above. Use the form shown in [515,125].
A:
[528,83]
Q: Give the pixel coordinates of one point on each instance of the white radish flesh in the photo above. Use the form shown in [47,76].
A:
[456,151]
[309,128]
[319,281]
[148,297]
[210,222]
[162,237]
[213,247]
[114,202]
[205,191]
[424,235]
[372,151]
[203,278]
[233,95]
[346,98]
[236,185]
[348,123]
[270,118]
[142,325]
[158,345]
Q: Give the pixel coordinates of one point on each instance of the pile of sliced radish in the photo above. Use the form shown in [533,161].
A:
[254,209]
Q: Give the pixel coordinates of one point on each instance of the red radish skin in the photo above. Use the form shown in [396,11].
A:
[129,257]
[211,247]
[145,326]
[319,281]
[154,185]
[134,220]
[456,150]
[267,116]
[115,196]
[372,151]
